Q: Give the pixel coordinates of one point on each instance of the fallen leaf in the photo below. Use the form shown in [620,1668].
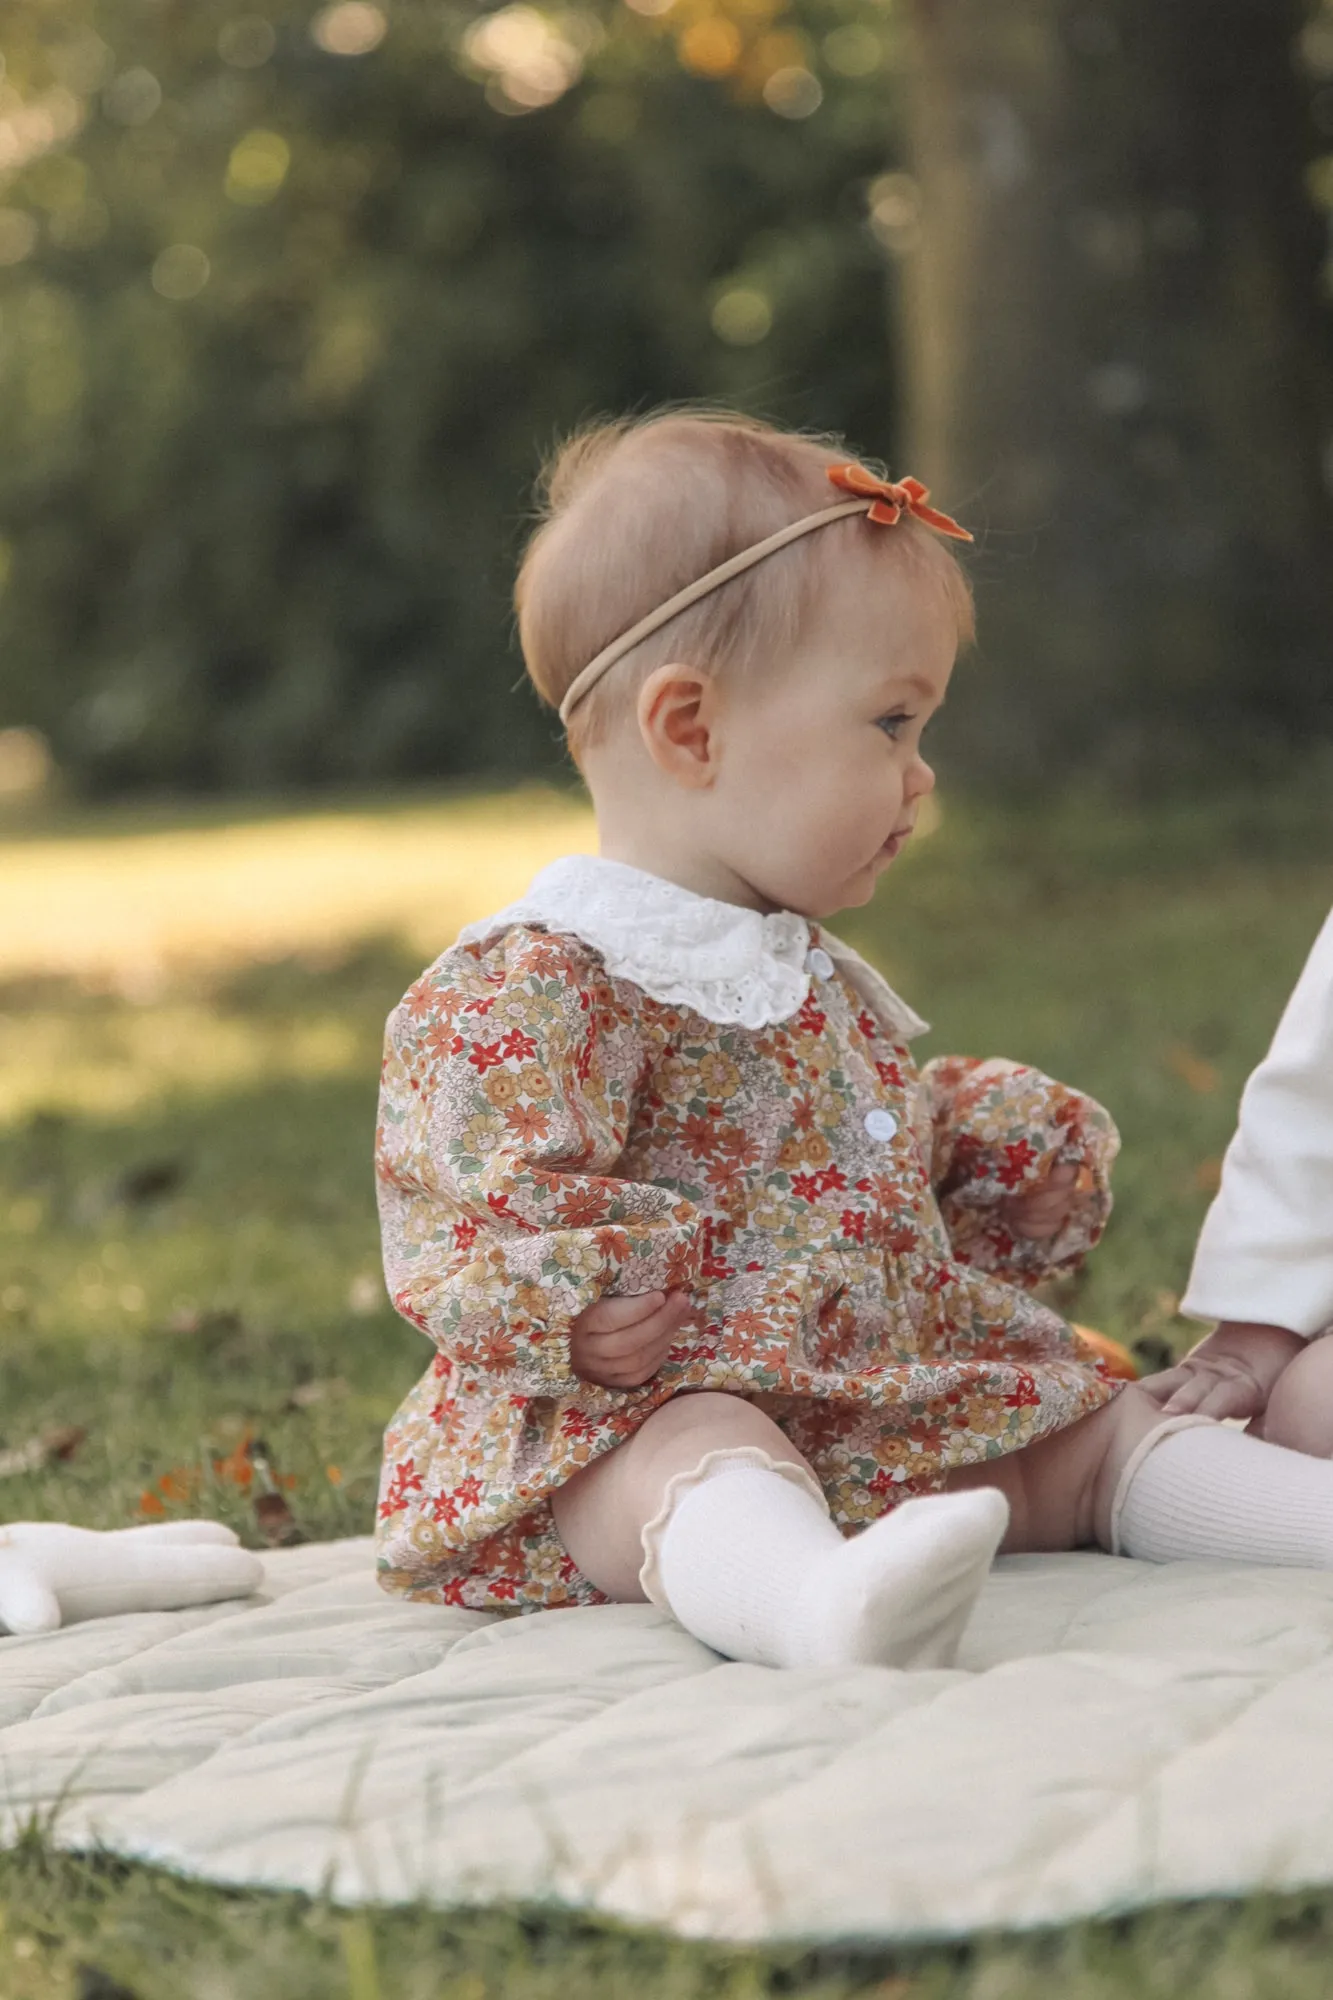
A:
[173,1489]
[236,1468]
[333,1473]
[152,1180]
[60,1443]
[1208,1176]
[19,1458]
[1201,1076]
[366,1294]
[307,1393]
[276,1522]
[206,1324]
[179,1485]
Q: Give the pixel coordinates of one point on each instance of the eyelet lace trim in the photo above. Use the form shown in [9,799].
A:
[736,967]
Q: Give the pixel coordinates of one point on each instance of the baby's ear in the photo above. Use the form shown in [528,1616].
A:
[677,714]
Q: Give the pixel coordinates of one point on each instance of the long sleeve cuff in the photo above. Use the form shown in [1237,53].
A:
[505,1316]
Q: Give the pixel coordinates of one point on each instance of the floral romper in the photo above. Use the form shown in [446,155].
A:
[616,1085]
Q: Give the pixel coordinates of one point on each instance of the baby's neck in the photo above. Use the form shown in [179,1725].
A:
[678,861]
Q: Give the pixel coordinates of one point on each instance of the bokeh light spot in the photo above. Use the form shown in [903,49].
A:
[853,50]
[132,97]
[1319,180]
[895,212]
[711,47]
[26,764]
[247,42]
[18,235]
[793,93]
[257,167]
[180,271]
[353,28]
[742,316]
[531,62]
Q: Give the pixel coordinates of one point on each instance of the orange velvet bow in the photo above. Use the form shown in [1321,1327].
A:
[892,496]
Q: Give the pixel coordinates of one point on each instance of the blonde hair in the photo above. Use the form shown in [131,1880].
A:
[635,509]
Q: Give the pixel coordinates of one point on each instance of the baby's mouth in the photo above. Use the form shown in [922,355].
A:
[897,840]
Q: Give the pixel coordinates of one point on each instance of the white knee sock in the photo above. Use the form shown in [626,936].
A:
[744,1554]
[1202,1489]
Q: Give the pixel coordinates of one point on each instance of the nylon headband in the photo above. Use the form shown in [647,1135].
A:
[587,677]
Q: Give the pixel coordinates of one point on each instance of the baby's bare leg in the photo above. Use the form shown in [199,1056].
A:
[711,1513]
[601,1513]
[1300,1403]
[1060,1490]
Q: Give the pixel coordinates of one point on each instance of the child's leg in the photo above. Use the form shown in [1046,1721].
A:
[1300,1403]
[709,1511]
[1061,1490]
[1165,1489]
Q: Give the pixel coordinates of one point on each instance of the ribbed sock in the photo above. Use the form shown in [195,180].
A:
[748,1560]
[1208,1490]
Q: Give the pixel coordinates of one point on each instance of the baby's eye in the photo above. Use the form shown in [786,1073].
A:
[891,724]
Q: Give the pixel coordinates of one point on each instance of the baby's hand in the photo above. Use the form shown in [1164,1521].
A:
[1043,1212]
[621,1343]
[1229,1374]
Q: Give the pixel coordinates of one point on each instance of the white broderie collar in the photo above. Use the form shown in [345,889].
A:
[734,966]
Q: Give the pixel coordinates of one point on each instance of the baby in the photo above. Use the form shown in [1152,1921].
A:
[732,1308]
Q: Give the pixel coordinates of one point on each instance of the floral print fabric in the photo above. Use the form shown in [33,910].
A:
[549,1133]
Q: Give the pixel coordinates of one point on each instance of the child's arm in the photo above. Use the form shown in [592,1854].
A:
[507,1094]
[1264,1263]
[1021,1166]
[1266,1252]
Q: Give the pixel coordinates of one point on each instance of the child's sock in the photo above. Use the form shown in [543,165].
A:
[744,1554]
[1197,1488]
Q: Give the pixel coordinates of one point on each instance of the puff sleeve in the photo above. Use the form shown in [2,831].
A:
[998,1129]
[1266,1251]
[507,1092]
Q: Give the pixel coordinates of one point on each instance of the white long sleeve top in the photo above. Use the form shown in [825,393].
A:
[1266,1250]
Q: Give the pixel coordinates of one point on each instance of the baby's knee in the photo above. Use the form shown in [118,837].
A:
[705,1420]
[1299,1413]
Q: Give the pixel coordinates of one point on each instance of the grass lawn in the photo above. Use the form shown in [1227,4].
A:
[190,1018]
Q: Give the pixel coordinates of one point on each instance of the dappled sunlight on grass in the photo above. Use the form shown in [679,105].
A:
[114,1062]
[136,908]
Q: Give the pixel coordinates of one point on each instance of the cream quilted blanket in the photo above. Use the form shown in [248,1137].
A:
[1117,1734]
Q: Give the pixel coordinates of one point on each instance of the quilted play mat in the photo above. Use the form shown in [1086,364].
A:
[1116,1734]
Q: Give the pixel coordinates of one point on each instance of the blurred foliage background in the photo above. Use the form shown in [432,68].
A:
[291,297]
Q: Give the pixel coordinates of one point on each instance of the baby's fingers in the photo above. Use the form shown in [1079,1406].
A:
[611,1315]
[1230,1397]
[1162,1386]
[657,1331]
[1187,1397]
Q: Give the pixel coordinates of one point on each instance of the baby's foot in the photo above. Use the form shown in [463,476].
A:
[899,1593]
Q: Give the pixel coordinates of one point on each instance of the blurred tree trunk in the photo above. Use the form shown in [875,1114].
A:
[1117,365]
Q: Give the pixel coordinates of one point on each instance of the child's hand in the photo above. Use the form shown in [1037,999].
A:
[621,1343]
[1043,1212]
[1229,1374]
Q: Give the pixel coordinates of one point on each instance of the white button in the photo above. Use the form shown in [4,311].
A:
[881,1124]
[818,961]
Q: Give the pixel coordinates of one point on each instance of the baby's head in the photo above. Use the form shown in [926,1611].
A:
[762,745]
